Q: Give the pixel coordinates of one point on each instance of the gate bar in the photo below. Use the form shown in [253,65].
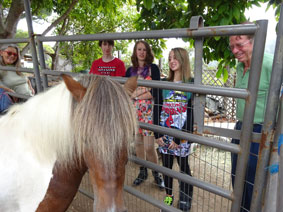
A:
[33,47]
[197,23]
[15,40]
[150,199]
[248,29]
[184,178]
[249,111]
[202,89]
[42,63]
[234,148]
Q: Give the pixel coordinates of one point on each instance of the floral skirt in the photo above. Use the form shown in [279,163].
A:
[144,109]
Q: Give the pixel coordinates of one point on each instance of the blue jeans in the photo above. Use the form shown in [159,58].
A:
[5,100]
[251,168]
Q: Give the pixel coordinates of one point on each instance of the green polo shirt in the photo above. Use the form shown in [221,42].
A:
[242,82]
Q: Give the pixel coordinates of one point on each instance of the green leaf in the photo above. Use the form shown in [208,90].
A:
[217,38]
[219,73]
[225,75]
[222,8]
[147,4]
[236,13]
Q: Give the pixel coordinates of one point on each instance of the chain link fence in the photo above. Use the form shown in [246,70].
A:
[219,107]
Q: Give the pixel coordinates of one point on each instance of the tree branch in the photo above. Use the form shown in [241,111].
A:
[63,17]
[55,59]
[55,23]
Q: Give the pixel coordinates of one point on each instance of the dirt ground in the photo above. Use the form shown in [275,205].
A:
[207,164]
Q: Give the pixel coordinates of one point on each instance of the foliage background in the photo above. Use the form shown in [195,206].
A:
[91,16]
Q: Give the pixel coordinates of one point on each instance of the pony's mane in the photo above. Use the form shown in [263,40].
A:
[43,124]
[102,123]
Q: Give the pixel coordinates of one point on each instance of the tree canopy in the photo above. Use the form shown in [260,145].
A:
[90,16]
[159,14]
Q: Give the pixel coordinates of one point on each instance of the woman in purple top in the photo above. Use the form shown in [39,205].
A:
[146,102]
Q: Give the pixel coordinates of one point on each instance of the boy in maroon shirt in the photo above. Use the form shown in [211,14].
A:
[108,64]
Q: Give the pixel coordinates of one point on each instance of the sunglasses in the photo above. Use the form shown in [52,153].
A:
[11,53]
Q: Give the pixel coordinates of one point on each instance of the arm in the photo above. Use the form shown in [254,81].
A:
[5,88]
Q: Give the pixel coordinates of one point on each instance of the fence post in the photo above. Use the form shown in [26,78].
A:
[269,120]
[33,47]
[271,191]
[42,62]
[247,126]
[280,142]
[195,23]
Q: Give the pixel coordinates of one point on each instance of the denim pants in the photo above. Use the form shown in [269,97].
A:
[251,168]
[5,100]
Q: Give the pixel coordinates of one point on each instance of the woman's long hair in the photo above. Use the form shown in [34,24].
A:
[149,56]
[17,63]
[183,58]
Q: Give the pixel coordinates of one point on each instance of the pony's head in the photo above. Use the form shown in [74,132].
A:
[104,123]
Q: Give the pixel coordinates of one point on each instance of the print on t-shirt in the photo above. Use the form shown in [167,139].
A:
[106,70]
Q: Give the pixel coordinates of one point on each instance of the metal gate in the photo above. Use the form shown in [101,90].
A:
[216,138]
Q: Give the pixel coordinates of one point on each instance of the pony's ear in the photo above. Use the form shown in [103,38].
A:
[131,85]
[77,90]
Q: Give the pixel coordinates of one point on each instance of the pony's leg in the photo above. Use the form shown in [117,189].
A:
[62,188]
[108,185]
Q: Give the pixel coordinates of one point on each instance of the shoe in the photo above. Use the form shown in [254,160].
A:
[169,199]
[158,180]
[141,177]
[184,205]
[185,202]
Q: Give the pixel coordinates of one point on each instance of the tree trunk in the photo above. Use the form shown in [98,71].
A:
[8,25]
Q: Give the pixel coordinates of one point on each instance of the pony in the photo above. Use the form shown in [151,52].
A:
[77,125]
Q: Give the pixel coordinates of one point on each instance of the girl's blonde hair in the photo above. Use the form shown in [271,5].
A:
[183,58]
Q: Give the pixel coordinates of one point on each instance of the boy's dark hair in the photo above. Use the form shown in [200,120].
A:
[110,42]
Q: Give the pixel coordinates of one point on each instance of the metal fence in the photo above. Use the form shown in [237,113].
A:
[219,107]
[210,161]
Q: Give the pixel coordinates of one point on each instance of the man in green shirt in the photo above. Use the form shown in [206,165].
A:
[242,47]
